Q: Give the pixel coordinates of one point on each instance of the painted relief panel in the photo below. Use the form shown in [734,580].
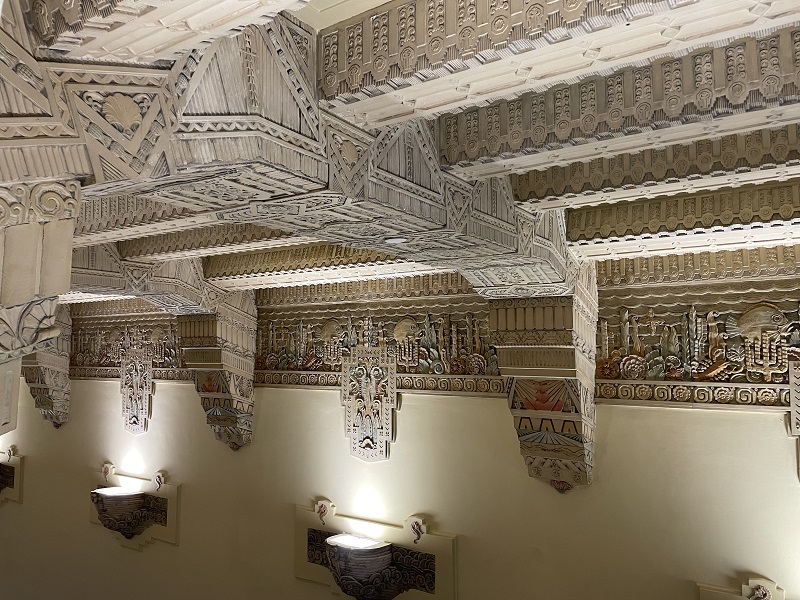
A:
[432,344]
[740,357]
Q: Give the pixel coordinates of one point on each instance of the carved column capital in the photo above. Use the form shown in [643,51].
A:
[38,202]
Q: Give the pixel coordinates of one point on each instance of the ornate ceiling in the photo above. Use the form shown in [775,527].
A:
[271,197]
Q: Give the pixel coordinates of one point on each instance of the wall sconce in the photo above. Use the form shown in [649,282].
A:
[378,566]
[135,507]
[10,476]
[365,569]
[754,589]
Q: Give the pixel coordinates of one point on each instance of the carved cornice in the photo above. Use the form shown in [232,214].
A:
[421,384]
[729,161]
[112,31]
[649,224]
[207,241]
[692,395]
[403,289]
[115,218]
[702,268]
[665,101]
[304,265]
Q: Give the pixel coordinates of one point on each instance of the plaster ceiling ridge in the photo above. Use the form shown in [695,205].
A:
[533,85]
[121,32]
[302,259]
[395,307]
[115,307]
[216,238]
[708,294]
[147,229]
[657,133]
[407,287]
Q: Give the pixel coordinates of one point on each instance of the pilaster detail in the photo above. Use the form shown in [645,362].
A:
[47,373]
[220,348]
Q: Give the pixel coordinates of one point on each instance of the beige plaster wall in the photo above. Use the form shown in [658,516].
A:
[679,496]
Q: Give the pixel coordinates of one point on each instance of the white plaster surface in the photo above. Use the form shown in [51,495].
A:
[679,496]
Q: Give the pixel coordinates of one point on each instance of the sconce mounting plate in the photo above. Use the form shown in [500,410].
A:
[10,476]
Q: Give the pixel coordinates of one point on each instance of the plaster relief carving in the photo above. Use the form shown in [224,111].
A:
[27,328]
[38,203]
[753,346]
[369,397]
[136,350]
[47,373]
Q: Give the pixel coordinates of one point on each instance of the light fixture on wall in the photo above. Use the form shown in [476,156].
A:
[8,469]
[372,560]
[754,589]
[366,569]
[127,511]
[129,505]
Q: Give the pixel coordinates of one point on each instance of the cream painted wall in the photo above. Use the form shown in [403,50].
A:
[679,496]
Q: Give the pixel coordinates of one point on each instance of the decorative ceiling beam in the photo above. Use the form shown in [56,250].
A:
[728,219]
[214,240]
[402,61]
[308,265]
[115,30]
[710,93]
[757,157]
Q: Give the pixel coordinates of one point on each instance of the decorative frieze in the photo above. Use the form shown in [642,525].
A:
[411,384]
[751,344]
[689,394]
[442,343]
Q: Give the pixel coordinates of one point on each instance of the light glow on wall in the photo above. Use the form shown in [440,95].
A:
[133,463]
[368,503]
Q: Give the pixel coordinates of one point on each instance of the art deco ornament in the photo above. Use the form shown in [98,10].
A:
[370,399]
[368,569]
[372,560]
[127,511]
